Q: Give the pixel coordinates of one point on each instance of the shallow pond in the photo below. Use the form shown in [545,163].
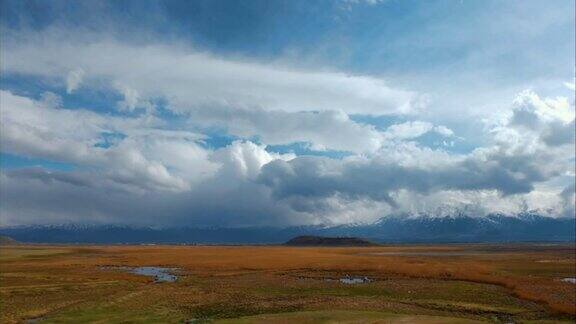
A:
[160,274]
[570,280]
[355,280]
[433,254]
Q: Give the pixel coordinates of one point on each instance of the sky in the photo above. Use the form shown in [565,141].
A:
[236,113]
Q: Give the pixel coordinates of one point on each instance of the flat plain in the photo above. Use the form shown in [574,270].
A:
[522,283]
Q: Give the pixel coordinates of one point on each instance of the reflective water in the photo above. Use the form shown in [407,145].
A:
[570,280]
[354,280]
[160,274]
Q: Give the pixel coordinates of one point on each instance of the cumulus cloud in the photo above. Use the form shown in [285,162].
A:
[512,169]
[378,177]
[536,121]
[545,109]
[150,171]
[243,160]
[30,128]
[227,198]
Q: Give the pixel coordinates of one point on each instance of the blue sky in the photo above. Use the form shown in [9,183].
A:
[327,112]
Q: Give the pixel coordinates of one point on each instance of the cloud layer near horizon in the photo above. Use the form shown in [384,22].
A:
[152,171]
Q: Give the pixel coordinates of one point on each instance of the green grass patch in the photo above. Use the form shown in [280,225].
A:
[343,317]
[113,315]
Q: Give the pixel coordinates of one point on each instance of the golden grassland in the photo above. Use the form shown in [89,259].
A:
[264,284]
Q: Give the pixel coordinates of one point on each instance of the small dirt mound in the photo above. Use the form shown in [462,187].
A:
[328,241]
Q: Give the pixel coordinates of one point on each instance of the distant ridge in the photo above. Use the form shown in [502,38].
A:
[456,228]
[7,240]
[307,240]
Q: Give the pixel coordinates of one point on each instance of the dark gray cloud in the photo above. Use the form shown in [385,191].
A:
[559,134]
[376,178]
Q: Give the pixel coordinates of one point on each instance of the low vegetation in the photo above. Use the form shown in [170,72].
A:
[438,284]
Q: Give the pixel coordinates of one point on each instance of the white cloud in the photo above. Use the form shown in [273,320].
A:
[142,159]
[73,80]
[189,79]
[409,130]
[324,130]
[278,103]
[547,109]
[535,122]
[131,97]
[244,160]
[415,129]
[444,131]
[533,148]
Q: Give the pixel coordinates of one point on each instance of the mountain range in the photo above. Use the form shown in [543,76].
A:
[458,228]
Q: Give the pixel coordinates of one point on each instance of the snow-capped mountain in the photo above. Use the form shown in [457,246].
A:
[403,228]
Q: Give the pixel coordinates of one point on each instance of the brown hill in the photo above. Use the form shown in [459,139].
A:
[328,241]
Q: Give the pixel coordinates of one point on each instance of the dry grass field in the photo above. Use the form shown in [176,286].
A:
[410,284]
